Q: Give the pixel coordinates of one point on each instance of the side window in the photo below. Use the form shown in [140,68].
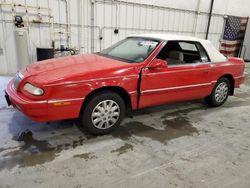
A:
[172,53]
[203,53]
[188,46]
[183,52]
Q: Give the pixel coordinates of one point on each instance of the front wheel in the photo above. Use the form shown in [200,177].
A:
[220,93]
[102,113]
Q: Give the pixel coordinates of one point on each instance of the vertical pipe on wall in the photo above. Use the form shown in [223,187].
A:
[4,42]
[116,15]
[67,4]
[126,16]
[80,23]
[139,26]
[67,23]
[209,18]
[87,23]
[92,24]
[196,18]
[83,45]
[111,13]
[102,30]
[51,27]
[59,16]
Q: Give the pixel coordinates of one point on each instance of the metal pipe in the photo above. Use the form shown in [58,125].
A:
[60,21]
[92,25]
[4,40]
[116,15]
[52,33]
[22,13]
[209,17]
[45,24]
[196,18]
[107,27]
[80,23]
[24,6]
[153,6]
[82,28]
[27,13]
[51,26]
[67,22]
[69,28]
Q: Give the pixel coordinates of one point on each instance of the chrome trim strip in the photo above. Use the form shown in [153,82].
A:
[190,64]
[133,92]
[64,100]
[236,77]
[156,73]
[93,80]
[198,63]
[20,75]
[178,87]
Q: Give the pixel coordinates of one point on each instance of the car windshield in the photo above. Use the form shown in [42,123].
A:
[131,49]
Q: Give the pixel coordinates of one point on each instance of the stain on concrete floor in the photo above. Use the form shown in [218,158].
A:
[123,149]
[86,156]
[177,127]
[33,152]
[30,153]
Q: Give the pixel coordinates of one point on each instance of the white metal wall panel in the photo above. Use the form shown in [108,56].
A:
[140,16]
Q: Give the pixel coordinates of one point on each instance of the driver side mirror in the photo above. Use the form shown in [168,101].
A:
[158,63]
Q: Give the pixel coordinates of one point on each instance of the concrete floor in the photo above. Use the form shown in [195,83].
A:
[180,145]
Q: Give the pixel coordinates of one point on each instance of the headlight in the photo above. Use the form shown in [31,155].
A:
[33,89]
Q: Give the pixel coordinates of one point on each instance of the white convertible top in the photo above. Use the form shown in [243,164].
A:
[214,54]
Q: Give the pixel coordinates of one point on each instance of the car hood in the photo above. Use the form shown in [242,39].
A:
[78,67]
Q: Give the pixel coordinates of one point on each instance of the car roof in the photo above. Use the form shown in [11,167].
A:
[168,37]
[213,53]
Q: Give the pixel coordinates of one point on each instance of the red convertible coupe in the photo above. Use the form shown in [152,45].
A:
[137,72]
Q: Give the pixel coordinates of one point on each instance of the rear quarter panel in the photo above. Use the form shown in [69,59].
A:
[233,66]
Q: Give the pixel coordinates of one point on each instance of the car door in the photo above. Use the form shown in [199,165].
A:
[176,82]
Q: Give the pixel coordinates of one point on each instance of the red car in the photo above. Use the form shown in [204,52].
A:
[137,72]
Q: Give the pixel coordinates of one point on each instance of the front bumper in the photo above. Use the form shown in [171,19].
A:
[42,110]
[36,110]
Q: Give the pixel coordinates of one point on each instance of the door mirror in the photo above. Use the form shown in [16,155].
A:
[158,63]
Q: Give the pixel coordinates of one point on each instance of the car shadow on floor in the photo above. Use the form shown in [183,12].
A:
[67,133]
[46,141]
[20,123]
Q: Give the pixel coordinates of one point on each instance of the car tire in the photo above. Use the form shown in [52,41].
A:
[102,113]
[220,93]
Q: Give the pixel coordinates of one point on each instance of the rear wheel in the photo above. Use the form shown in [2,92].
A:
[220,93]
[102,113]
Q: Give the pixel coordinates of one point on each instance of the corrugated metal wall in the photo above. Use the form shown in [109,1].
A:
[141,18]
[87,27]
